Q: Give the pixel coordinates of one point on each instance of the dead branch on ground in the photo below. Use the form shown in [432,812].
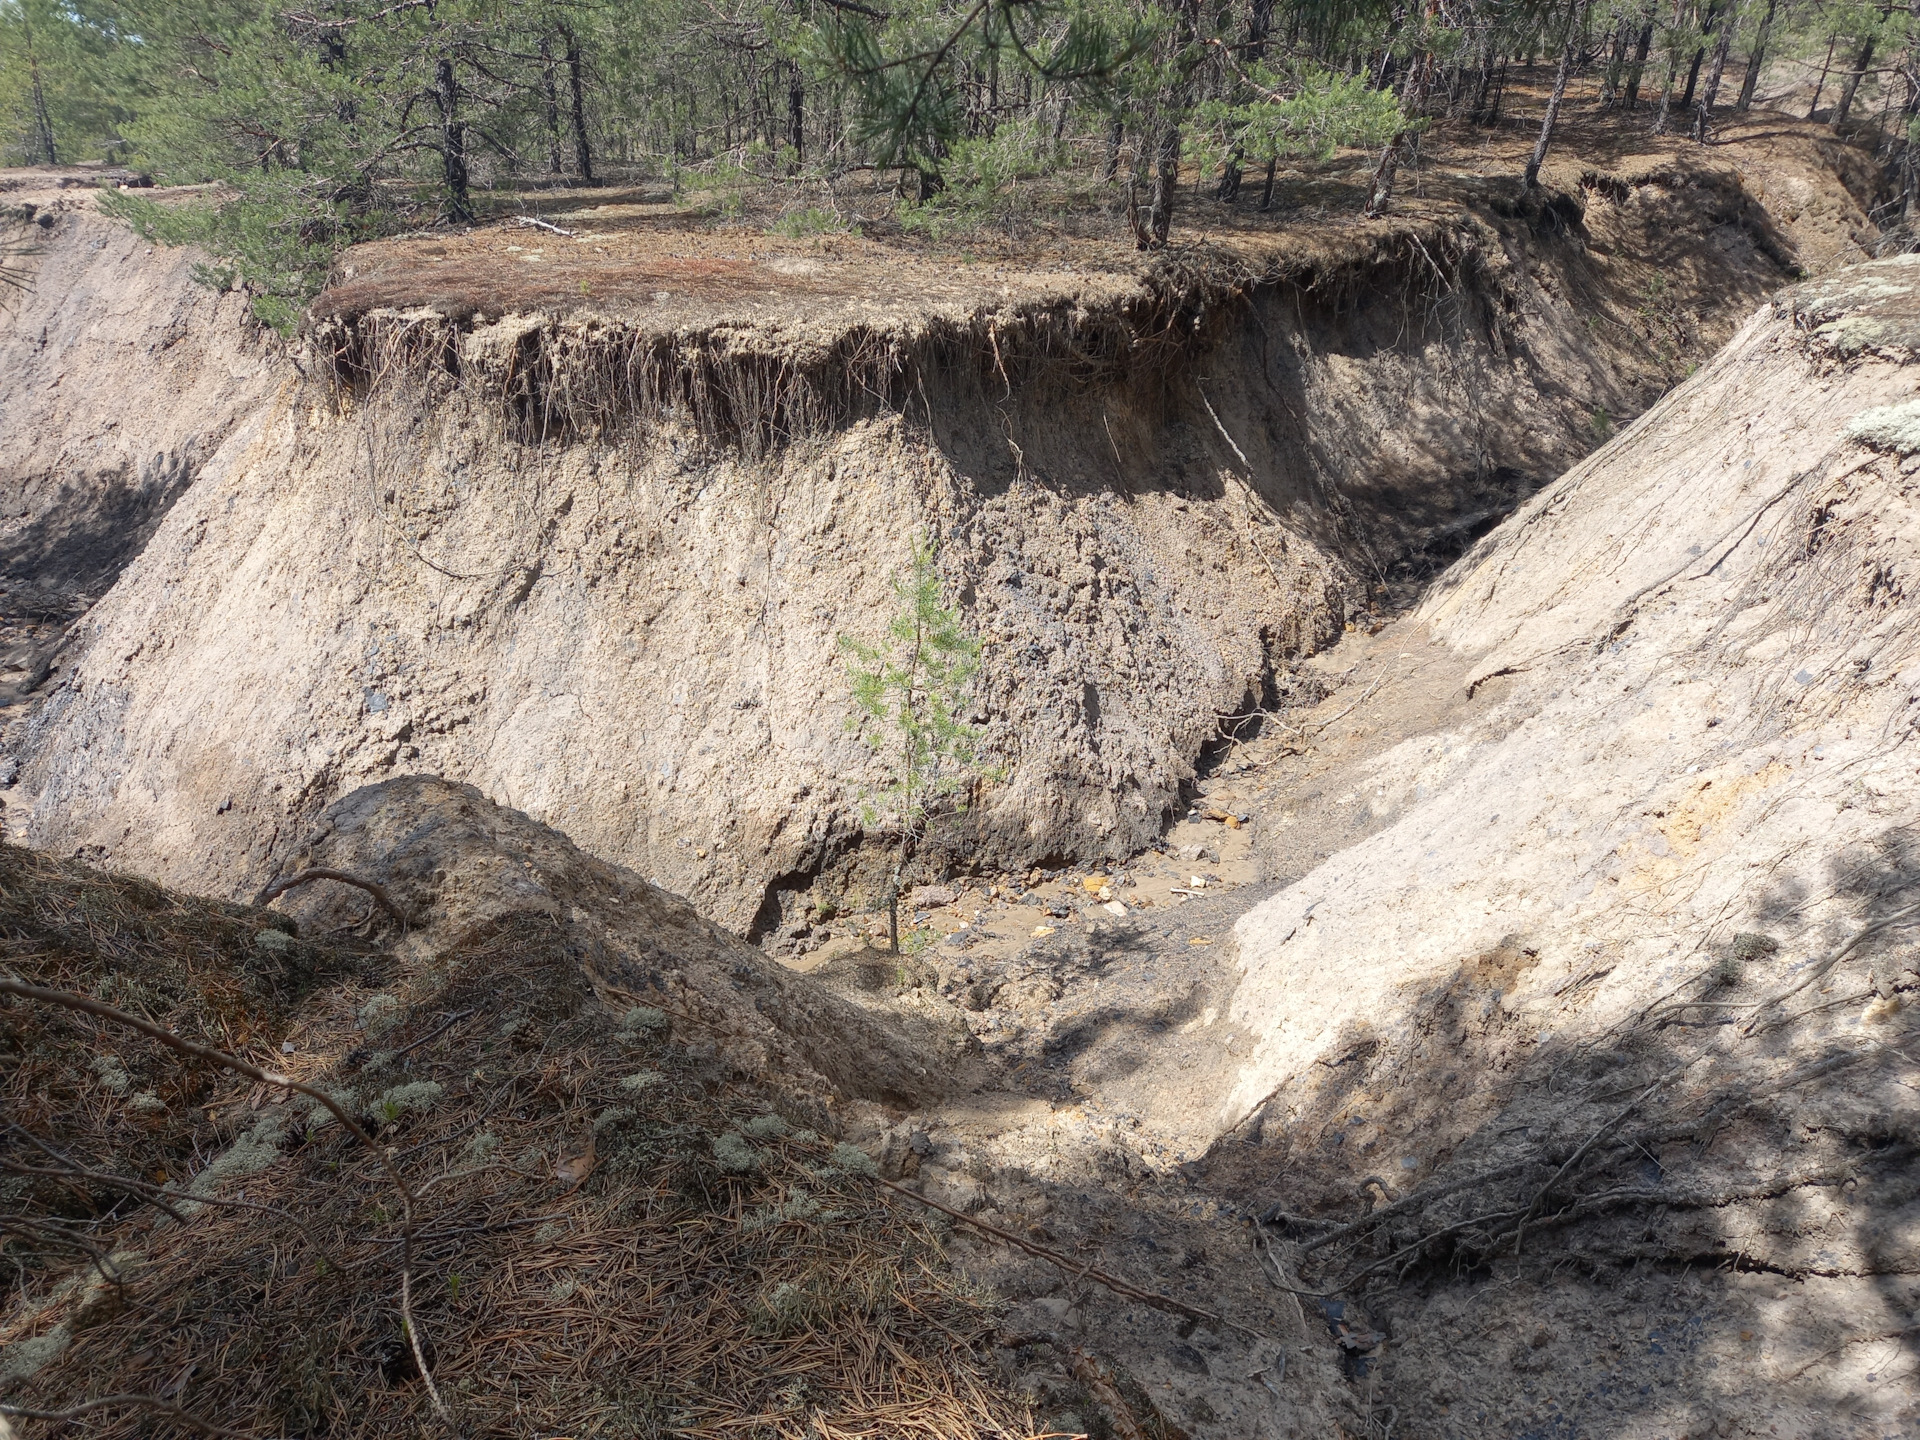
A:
[275,889]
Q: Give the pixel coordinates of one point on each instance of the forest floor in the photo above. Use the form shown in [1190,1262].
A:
[719,255]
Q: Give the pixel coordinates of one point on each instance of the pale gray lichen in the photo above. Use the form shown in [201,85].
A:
[612,1115]
[145,1102]
[380,1014]
[643,1019]
[735,1155]
[767,1127]
[248,1155]
[786,1299]
[644,1081]
[112,1073]
[482,1146]
[273,942]
[851,1160]
[25,1358]
[1888,427]
[319,1116]
[403,1099]
[798,1206]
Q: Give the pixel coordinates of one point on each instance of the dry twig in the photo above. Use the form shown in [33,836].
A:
[277,888]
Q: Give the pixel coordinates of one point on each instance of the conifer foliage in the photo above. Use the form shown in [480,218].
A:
[910,698]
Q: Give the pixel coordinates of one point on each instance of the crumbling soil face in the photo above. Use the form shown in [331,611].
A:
[613,598]
[120,379]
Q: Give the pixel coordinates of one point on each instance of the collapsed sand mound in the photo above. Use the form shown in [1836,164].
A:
[597,565]
[1620,990]
[120,380]
[461,867]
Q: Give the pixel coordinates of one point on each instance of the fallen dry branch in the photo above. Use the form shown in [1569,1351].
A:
[151,1403]
[277,888]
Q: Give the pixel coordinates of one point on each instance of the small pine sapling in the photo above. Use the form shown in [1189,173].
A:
[910,693]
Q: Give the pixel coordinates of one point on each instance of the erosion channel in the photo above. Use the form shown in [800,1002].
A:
[1428,953]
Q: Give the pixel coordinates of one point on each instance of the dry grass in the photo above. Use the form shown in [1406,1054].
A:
[715,1271]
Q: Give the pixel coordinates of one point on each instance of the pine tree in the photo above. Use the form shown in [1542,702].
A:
[910,694]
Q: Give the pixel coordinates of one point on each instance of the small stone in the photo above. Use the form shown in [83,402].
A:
[932,897]
[1114,907]
[1040,932]
[1094,884]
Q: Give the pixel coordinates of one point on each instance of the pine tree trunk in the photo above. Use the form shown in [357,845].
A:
[1266,191]
[1666,97]
[453,145]
[1699,55]
[1230,177]
[42,120]
[577,81]
[1259,26]
[1610,87]
[1539,156]
[1115,133]
[550,94]
[1380,188]
[796,116]
[1703,117]
[1852,87]
[1640,49]
[1387,170]
[1166,180]
[1821,84]
[1755,58]
[1478,113]
[1693,78]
